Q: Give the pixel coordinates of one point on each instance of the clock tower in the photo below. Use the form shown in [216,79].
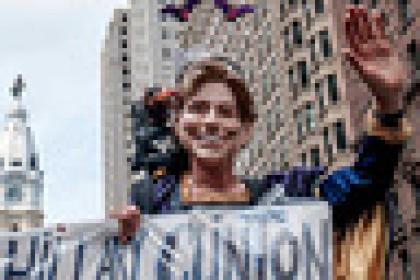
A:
[21,180]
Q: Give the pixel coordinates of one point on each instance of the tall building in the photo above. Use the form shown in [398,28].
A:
[21,180]
[115,96]
[139,53]
[324,101]
[316,103]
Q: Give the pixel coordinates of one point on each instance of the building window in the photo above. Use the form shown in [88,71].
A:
[310,117]
[299,128]
[290,72]
[308,19]
[326,138]
[282,9]
[165,33]
[165,17]
[16,162]
[126,86]
[292,4]
[124,17]
[325,43]
[332,88]
[124,57]
[405,14]
[319,6]
[315,157]
[312,44]
[125,71]
[1,162]
[341,135]
[14,194]
[320,95]
[303,73]
[303,157]
[330,154]
[297,33]
[123,30]
[166,53]
[265,87]
[15,228]
[13,247]
[33,162]
[124,43]
[286,42]
[413,51]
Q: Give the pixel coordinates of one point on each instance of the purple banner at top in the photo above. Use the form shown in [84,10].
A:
[231,12]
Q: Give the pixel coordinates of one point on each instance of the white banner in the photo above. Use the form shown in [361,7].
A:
[291,241]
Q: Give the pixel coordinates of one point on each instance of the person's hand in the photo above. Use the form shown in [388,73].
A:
[128,223]
[373,56]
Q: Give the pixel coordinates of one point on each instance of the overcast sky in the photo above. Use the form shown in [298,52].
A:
[56,46]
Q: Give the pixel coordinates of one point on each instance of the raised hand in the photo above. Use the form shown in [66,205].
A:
[374,57]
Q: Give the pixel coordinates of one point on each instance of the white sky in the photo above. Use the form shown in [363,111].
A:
[56,45]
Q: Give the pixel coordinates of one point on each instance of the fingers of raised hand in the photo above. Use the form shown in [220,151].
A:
[350,26]
[378,29]
[364,26]
[359,27]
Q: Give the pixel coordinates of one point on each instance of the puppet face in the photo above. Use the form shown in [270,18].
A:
[209,125]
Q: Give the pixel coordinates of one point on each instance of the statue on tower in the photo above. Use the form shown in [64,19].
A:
[18,87]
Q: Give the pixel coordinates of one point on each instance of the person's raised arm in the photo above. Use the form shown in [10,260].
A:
[354,189]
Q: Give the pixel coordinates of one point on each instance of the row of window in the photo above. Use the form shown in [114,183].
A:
[304,81]
[13,194]
[166,33]
[125,70]
[293,4]
[305,121]
[332,88]
[325,45]
[166,53]
[324,42]
[123,31]
[126,86]
[314,157]
[341,142]
[18,162]
[124,43]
